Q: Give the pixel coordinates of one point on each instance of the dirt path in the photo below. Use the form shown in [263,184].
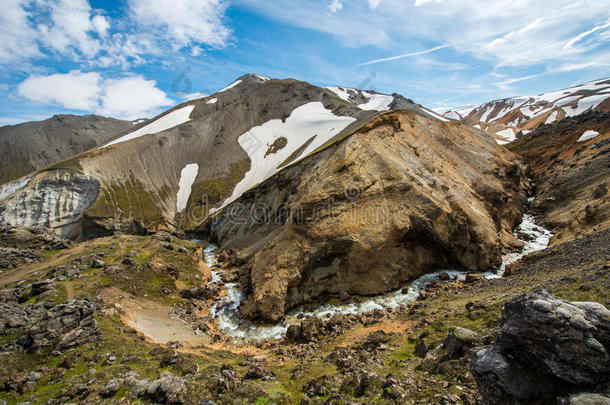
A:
[26,270]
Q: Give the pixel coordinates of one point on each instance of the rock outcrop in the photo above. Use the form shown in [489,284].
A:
[546,348]
[400,197]
[63,327]
[53,200]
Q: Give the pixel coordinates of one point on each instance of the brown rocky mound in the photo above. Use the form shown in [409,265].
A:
[403,196]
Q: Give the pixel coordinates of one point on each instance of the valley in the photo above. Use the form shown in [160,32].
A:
[278,242]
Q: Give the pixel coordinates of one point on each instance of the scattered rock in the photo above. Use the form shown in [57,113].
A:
[111,388]
[64,327]
[257,372]
[98,264]
[129,261]
[458,339]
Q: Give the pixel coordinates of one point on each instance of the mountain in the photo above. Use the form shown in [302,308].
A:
[156,175]
[441,194]
[506,117]
[32,146]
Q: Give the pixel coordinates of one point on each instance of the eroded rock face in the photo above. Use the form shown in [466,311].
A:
[545,348]
[54,200]
[400,197]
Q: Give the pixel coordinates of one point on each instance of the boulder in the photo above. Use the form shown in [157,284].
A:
[64,327]
[112,387]
[459,339]
[545,347]
[258,372]
[557,337]
[589,399]
[42,287]
[98,264]
[168,389]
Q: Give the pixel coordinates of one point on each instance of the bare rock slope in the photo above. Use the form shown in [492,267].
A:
[34,145]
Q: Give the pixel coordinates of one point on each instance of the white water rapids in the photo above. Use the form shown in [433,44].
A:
[225,309]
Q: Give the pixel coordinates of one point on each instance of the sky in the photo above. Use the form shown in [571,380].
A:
[136,58]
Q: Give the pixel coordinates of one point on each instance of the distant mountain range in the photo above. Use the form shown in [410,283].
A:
[508,116]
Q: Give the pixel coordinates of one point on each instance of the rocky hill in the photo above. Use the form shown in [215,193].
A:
[32,146]
[506,117]
[569,161]
[176,169]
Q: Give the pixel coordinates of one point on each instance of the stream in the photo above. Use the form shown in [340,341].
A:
[225,309]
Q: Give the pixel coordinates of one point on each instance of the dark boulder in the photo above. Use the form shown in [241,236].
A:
[545,348]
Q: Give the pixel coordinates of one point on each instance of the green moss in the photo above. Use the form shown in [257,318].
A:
[129,200]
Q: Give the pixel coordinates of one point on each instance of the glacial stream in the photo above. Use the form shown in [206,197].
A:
[225,309]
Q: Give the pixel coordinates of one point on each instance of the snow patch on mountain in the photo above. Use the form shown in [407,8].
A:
[435,115]
[587,135]
[339,91]
[187,178]
[230,86]
[212,101]
[168,121]
[309,126]
[377,102]
[507,134]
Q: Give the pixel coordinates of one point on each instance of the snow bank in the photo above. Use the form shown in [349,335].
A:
[435,115]
[212,101]
[308,121]
[508,134]
[340,91]
[168,121]
[587,135]
[187,178]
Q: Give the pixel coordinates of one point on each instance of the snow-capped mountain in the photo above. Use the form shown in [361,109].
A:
[508,116]
[219,147]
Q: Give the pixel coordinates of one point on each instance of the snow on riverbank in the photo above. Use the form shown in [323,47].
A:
[225,310]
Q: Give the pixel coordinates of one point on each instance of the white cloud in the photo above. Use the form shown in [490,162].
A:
[405,55]
[373,4]
[69,26]
[128,98]
[502,32]
[132,97]
[18,37]
[74,90]
[186,22]
[72,29]
[100,24]
[335,5]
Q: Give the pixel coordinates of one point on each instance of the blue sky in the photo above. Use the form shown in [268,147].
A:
[136,58]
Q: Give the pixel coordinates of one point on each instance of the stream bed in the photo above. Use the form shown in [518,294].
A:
[225,310]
